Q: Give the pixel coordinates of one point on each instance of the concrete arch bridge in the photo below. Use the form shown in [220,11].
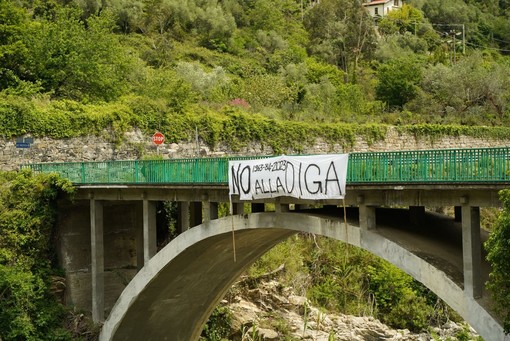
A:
[108,234]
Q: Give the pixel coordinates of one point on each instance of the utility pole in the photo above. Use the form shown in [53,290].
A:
[463,34]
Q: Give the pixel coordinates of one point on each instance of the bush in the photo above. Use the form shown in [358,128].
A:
[398,303]
[28,310]
[218,326]
[498,249]
[399,80]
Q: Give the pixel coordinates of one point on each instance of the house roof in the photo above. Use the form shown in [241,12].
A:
[376,2]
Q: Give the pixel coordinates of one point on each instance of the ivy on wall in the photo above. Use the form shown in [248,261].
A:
[437,131]
[234,127]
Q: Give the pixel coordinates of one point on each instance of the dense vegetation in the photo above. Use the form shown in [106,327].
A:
[281,72]
[93,64]
[498,248]
[28,309]
[342,278]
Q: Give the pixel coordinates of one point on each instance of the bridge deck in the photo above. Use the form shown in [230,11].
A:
[477,165]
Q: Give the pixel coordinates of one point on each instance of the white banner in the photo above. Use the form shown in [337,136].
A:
[306,177]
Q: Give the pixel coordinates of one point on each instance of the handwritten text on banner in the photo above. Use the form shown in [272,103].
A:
[307,177]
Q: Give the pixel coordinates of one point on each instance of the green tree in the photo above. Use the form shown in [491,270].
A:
[341,33]
[446,16]
[504,5]
[396,46]
[129,14]
[316,71]
[501,27]
[413,31]
[205,84]
[13,51]
[399,80]
[89,7]
[263,91]
[165,89]
[206,20]
[474,89]
[319,101]
[498,254]
[271,30]
[406,19]
[79,60]
[282,17]
[215,25]
[449,12]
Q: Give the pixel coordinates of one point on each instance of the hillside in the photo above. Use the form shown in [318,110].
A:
[141,62]
[231,71]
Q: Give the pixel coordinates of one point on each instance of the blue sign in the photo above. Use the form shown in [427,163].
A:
[24,142]
[22,145]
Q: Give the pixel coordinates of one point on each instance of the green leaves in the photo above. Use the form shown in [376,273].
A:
[399,80]
[398,302]
[172,54]
[401,21]
[13,51]
[498,255]
[349,280]
[473,90]
[218,326]
[27,214]
[77,60]
[341,32]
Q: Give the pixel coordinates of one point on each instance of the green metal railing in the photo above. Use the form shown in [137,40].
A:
[426,166]
[450,165]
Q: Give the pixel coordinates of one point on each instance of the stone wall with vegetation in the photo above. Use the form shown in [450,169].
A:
[135,144]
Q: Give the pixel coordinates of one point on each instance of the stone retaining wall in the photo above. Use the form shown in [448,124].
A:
[136,145]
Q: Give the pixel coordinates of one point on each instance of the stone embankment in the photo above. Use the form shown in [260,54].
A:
[135,145]
[273,312]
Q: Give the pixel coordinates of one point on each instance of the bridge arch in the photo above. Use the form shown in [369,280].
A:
[173,295]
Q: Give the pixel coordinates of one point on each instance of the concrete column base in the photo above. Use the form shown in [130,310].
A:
[367,219]
[472,251]
[149,230]
[210,210]
[183,222]
[97,259]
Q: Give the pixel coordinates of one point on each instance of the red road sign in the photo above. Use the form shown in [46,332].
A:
[158,138]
